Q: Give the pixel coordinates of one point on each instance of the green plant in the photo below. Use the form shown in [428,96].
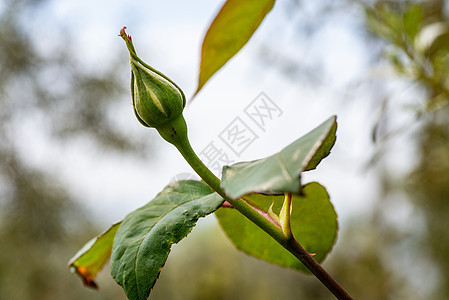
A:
[262,205]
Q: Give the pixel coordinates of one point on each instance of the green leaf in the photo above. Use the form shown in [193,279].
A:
[91,258]
[313,223]
[229,32]
[143,241]
[280,173]
[412,20]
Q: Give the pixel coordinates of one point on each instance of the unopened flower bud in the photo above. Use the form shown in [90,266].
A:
[156,99]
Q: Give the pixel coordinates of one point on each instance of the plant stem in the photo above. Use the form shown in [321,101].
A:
[241,205]
[180,140]
[300,253]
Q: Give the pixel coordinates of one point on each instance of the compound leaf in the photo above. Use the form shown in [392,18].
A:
[313,223]
[280,173]
[229,32]
[143,241]
[91,258]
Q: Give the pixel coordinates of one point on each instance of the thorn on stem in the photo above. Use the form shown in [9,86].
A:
[226,204]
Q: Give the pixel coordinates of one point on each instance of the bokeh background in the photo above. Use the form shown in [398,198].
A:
[73,158]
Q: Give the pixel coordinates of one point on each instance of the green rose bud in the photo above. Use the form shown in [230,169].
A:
[156,99]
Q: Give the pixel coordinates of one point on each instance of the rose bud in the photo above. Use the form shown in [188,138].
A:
[157,100]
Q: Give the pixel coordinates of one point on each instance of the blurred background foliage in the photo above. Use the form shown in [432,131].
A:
[380,256]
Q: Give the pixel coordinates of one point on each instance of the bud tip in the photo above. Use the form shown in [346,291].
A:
[124,35]
[128,40]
